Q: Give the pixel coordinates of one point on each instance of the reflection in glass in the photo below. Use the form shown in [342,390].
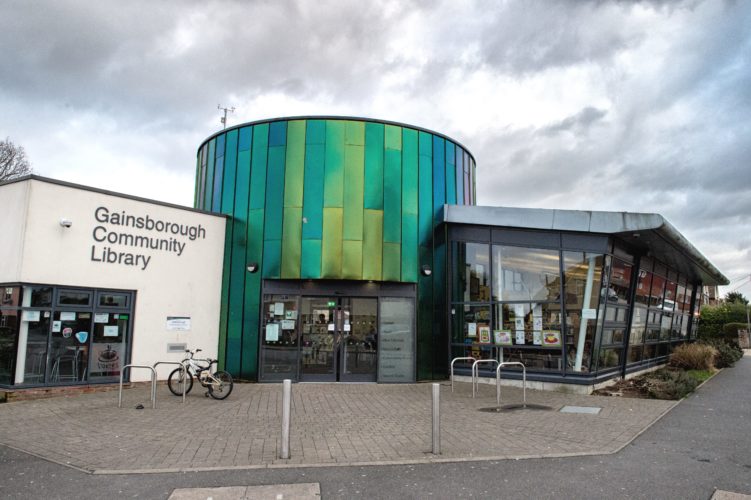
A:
[32,347]
[472,272]
[643,287]
[68,360]
[8,335]
[620,283]
[582,278]
[525,274]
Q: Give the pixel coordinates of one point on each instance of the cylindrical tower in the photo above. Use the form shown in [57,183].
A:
[345,200]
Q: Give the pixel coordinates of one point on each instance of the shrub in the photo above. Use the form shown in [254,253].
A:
[693,356]
[727,352]
[730,331]
[670,384]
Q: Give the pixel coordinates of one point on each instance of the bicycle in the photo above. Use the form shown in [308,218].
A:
[218,385]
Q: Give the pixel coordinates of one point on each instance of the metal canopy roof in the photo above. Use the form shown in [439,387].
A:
[650,233]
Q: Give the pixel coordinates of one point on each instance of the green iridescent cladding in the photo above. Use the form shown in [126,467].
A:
[331,245]
[291,243]
[374,146]
[372,251]
[333,186]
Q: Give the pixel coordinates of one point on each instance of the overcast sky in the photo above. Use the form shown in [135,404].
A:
[625,106]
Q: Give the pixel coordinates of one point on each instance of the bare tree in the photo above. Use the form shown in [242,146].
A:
[13,161]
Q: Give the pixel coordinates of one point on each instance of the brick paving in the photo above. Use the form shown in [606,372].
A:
[331,424]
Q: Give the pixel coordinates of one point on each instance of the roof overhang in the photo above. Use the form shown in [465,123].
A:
[651,234]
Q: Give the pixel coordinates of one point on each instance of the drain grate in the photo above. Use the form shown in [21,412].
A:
[514,407]
[587,410]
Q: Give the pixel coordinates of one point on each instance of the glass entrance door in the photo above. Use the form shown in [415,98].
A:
[339,339]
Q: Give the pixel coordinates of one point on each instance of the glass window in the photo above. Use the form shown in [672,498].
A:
[635,353]
[671,296]
[657,291]
[279,338]
[74,298]
[69,346]
[643,287]
[620,283]
[108,348]
[529,324]
[469,322]
[10,296]
[638,324]
[9,322]
[522,273]
[472,275]
[536,359]
[109,299]
[609,358]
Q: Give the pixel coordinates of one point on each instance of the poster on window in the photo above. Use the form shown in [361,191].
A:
[551,338]
[520,337]
[502,337]
[106,359]
[537,337]
[485,335]
[471,329]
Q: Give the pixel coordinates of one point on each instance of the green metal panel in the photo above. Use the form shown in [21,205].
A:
[230,169]
[355,133]
[238,264]
[410,262]
[312,209]
[372,245]
[274,194]
[409,172]
[198,180]
[209,187]
[393,137]
[295,164]
[450,173]
[374,146]
[245,138]
[272,253]
[352,259]
[234,258]
[333,190]
[230,353]
[291,243]
[424,320]
[391,261]
[253,281]
[392,197]
[259,158]
[310,266]
[354,178]
[331,246]
[425,197]
[315,132]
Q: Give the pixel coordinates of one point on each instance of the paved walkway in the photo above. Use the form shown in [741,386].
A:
[331,425]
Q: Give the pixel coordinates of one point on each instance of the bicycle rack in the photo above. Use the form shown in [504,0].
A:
[476,372]
[452,368]
[498,381]
[181,365]
[153,384]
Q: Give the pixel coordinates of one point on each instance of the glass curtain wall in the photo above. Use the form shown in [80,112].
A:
[62,336]
[510,303]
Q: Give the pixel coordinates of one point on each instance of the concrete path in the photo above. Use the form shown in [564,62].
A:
[347,424]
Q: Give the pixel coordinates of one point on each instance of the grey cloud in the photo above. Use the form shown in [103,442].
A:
[578,123]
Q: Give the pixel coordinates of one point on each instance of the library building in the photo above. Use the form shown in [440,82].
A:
[335,249]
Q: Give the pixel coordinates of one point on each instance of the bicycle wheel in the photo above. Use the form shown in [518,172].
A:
[222,387]
[175,382]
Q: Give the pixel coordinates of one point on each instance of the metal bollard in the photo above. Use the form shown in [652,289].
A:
[436,419]
[286,402]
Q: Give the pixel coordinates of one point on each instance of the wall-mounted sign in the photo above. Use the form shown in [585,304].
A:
[178,323]
[130,239]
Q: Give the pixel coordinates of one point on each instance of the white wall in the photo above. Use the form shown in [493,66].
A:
[188,284]
[13,206]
